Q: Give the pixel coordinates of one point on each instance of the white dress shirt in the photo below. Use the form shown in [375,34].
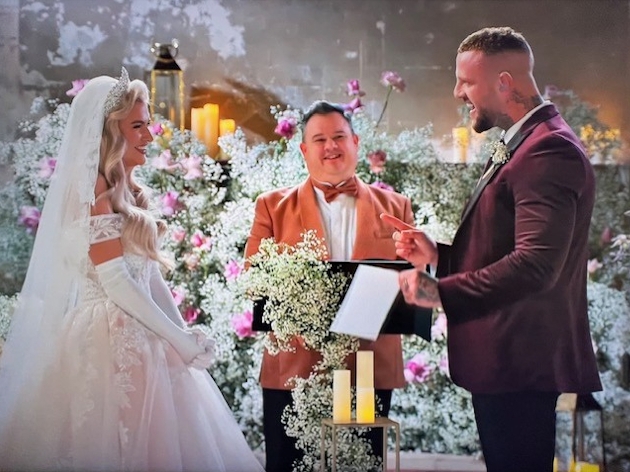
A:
[340,224]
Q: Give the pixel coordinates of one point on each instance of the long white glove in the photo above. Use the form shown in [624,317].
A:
[162,296]
[125,292]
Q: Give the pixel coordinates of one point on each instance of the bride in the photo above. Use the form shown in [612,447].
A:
[99,372]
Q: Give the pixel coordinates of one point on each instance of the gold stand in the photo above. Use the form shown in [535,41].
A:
[380,422]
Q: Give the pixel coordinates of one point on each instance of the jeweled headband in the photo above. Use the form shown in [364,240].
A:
[116,94]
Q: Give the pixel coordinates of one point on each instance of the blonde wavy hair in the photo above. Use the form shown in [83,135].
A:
[141,232]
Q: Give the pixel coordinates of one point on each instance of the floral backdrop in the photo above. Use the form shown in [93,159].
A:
[209,206]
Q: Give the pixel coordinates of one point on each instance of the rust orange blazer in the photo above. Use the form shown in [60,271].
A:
[284,214]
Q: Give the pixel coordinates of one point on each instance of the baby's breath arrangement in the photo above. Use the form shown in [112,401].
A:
[301,296]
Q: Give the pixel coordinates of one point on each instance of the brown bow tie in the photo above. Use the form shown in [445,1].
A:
[348,187]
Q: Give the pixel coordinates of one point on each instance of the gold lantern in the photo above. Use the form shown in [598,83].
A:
[167,84]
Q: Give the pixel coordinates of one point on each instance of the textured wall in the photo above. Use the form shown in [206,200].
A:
[249,53]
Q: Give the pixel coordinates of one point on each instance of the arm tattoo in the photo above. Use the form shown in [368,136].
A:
[427,288]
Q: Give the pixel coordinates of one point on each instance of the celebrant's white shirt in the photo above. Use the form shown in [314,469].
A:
[340,224]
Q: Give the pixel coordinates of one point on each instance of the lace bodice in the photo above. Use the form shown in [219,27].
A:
[105,228]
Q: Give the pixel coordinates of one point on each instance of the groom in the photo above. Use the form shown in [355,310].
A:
[345,212]
[513,282]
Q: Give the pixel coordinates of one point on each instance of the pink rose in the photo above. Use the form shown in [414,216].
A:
[171,203]
[393,80]
[191,314]
[232,270]
[439,327]
[593,266]
[191,261]
[47,167]
[29,218]
[201,241]
[178,234]
[179,295]
[286,127]
[156,129]
[377,161]
[193,167]
[242,324]
[354,89]
[417,369]
[164,161]
[77,86]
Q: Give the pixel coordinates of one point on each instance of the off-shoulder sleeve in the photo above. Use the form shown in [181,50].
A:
[105,227]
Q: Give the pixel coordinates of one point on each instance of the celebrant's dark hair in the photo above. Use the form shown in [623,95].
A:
[323,107]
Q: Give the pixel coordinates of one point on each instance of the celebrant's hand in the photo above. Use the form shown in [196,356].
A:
[419,288]
[412,244]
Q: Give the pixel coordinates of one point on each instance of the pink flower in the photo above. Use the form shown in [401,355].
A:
[178,234]
[242,324]
[171,203]
[156,129]
[29,218]
[353,106]
[191,260]
[593,266]
[393,80]
[179,295]
[47,167]
[383,185]
[192,165]
[232,270]
[286,127]
[439,327]
[164,161]
[417,369]
[354,89]
[77,86]
[377,161]
[201,241]
[191,314]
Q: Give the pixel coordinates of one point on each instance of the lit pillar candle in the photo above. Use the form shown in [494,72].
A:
[341,396]
[365,405]
[197,124]
[211,133]
[460,144]
[365,369]
[227,126]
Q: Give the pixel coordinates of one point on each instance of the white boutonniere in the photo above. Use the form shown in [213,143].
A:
[499,152]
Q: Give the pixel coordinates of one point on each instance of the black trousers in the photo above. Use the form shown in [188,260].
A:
[517,430]
[280,450]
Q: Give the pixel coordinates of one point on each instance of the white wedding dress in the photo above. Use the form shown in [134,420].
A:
[119,398]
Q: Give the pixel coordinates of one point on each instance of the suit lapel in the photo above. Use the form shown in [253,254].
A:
[366,223]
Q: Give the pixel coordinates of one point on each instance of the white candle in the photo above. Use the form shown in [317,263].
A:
[341,396]
[365,405]
[365,369]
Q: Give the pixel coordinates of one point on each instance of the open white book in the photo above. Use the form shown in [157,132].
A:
[367,302]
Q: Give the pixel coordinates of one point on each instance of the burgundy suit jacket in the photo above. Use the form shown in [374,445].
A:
[513,282]
[284,215]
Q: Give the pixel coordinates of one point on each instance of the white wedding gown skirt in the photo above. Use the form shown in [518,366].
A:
[118,398]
